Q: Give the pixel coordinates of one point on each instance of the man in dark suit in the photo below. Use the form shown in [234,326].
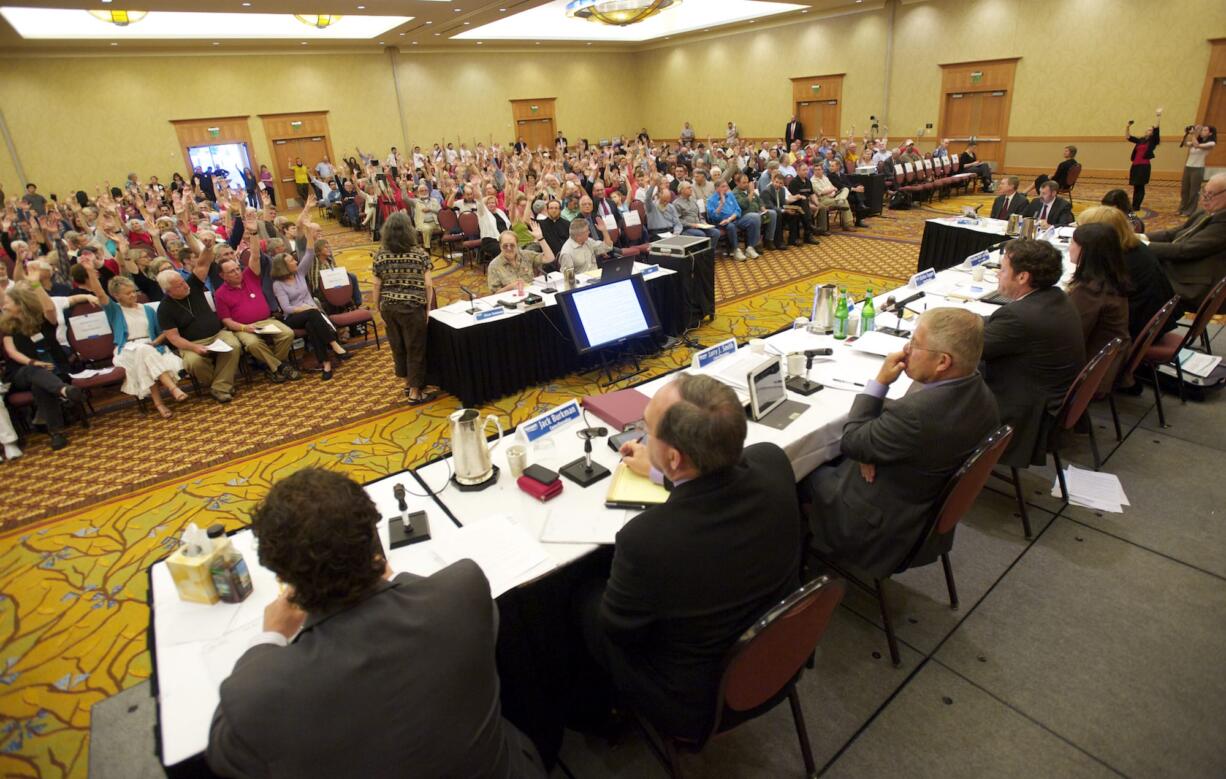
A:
[1049,208]
[690,575]
[555,229]
[359,672]
[1033,348]
[603,206]
[795,131]
[1009,202]
[1194,256]
[870,508]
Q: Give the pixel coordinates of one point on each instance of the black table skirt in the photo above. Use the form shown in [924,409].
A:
[874,190]
[944,246]
[697,284]
[494,359]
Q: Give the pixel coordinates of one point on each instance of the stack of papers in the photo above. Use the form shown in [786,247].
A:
[583,527]
[1093,490]
[507,554]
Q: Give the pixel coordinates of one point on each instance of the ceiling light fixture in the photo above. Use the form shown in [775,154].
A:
[618,13]
[119,18]
[318,21]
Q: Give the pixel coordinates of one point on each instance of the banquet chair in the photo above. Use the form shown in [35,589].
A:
[451,233]
[1136,355]
[96,353]
[937,540]
[761,669]
[1166,348]
[1074,173]
[471,231]
[342,298]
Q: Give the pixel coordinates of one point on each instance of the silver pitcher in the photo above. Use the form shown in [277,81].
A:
[1015,224]
[822,320]
[469,450]
[1029,228]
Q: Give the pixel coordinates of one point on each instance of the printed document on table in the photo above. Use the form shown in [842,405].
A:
[582,527]
[506,552]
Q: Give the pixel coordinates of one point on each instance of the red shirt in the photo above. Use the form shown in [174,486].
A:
[246,304]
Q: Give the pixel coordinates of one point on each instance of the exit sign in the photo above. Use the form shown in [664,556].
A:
[214,132]
[296,126]
[976,76]
[816,87]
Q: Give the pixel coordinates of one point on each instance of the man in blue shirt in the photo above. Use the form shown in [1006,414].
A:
[723,211]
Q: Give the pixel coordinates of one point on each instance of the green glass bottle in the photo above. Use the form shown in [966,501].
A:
[840,315]
[868,314]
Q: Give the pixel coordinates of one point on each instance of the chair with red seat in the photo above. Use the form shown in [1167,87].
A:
[1074,173]
[451,235]
[762,668]
[96,353]
[471,243]
[937,539]
[342,298]
[1140,347]
[1165,349]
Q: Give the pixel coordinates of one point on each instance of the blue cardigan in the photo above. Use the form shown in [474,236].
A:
[119,325]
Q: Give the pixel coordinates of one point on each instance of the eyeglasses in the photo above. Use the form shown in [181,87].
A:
[912,346]
[1206,194]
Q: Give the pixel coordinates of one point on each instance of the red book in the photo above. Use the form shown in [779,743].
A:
[621,409]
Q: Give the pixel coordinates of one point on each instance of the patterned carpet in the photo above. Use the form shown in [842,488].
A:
[81,526]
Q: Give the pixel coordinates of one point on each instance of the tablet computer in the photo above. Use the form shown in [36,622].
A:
[766,387]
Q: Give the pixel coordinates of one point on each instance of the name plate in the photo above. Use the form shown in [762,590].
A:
[540,426]
[922,278]
[481,316]
[648,270]
[712,353]
[978,259]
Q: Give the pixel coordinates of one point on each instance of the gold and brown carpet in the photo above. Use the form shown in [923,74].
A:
[79,527]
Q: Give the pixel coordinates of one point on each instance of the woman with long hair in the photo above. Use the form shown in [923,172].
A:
[1149,287]
[1142,153]
[1099,289]
[1118,199]
[33,358]
[402,294]
[1200,140]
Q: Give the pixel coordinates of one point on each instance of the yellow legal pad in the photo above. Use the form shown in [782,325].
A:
[628,490]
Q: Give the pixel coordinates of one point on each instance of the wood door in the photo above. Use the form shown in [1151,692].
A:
[537,132]
[285,151]
[1215,115]
[809,115]
[828,123]
[983,116]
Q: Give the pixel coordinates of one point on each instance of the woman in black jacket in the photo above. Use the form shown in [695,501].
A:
[1142,153]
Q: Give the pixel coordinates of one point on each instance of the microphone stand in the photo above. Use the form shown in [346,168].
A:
[583,471]
[804,386]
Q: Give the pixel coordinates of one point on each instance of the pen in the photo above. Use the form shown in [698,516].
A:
[852,383]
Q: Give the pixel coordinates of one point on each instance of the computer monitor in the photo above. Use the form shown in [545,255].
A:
[608,312]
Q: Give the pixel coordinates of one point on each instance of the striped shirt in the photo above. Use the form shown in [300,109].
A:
[402,277]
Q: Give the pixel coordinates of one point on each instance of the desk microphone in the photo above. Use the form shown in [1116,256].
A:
[898,307]
[823,352]
[472,305]
[398,493]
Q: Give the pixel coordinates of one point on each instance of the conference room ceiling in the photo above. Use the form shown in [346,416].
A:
[61,28]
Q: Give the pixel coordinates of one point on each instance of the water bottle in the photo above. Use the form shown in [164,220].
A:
[840,315]
[868,314]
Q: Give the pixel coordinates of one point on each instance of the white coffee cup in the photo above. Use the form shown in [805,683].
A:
[796,364]
[757,346]
[977,273]
[517,459]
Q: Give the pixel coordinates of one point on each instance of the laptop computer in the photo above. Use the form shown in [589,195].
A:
[616,268]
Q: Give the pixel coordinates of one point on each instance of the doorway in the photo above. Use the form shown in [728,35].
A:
[535,121]
[983,116]
[229,157]
[817,104]
[285,151]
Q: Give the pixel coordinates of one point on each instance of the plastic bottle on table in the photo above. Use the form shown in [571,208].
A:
[840,315]
[868,314]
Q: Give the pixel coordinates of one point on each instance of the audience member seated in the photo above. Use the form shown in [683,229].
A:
[139,344]
[1099,290]
[690,214]
[1033,348]
[1009,203]
[787,211]
[1118,199]
[969,162]
[870,507]
[813,214]
[1194,255]
[1063,171]
[554,229]
[190,325]
[662,219]
[581,250]
[672,607]
[244,311]
[830,197]
[515,267]
[33,358]
[724,211]
[855,192]
[747,200]
[300,310]
[425,214]
[1148,287]
[1049,209]
[403,664]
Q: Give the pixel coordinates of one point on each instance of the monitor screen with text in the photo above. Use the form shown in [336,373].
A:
[609,312]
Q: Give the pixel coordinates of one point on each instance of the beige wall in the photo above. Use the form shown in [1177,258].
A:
[1085,67]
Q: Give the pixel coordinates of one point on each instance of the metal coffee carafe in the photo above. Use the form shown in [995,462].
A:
[1029,227]
[822,320]
[1015,224]
[469,450]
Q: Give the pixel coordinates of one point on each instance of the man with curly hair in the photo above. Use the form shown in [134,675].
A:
[359,671]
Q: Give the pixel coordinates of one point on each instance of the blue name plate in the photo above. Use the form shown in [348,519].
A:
[540,426]
[481,316]
[650,269]
[922,278]
[978,259]
[712,353]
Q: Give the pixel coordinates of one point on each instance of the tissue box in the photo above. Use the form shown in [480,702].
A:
[191,576]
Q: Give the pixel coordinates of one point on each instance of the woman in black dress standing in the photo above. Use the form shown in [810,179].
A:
[1142,153]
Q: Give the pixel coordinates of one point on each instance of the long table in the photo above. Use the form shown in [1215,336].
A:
[480,361]
[948,241]
[194,647]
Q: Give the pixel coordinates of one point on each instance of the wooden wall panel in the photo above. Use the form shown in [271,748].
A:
[522,109]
